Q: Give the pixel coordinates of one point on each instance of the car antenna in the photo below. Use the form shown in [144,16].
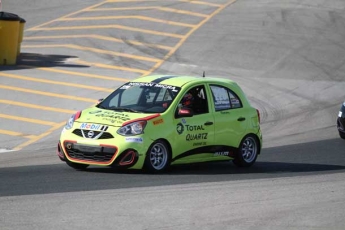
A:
[203,74]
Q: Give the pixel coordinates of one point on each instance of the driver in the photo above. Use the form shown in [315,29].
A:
[187,100]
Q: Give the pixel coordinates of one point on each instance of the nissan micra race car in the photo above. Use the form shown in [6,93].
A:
[341,121]
[157,121]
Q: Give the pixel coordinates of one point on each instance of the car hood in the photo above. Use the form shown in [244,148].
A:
[111,118]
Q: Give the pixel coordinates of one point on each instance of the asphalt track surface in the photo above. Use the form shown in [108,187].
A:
[288,56]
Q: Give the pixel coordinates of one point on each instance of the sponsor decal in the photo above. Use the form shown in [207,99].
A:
[134,139]
[340,114]
[196,136]
[194,127]
[223,153]
[158,122]
[179,128]
[173,88]
[141,84]
[90,126]
[150,84]
[184,121]
[199,143]
[125,87]
[113,117]
[96,111]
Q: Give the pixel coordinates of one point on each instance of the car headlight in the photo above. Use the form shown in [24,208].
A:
[70,122]
[134,128]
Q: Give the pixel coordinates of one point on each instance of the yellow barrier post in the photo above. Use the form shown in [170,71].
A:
[9,32]
[21,34]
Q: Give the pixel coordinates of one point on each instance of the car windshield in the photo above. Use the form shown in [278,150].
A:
[141,97]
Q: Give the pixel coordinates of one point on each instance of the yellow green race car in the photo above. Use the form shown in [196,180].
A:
[157,121]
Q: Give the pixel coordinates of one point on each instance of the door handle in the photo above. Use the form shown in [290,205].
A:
[241,119]
[209,123]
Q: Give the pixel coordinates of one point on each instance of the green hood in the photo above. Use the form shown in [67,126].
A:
[108,117]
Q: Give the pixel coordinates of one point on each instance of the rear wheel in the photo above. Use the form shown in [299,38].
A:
[342,135]
[157,157]
[76,165]
[248,152]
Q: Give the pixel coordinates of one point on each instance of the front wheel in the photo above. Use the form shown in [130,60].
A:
[157,157]
[76,165]
[248,152]
[342,135]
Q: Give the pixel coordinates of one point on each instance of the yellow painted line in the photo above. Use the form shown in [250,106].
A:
[66,16]
[36,121]
[47,93]
[133,0]
[100,65]
[151,8]
[123,8]
[144,18]
[55,82]
[12,133]
[38,137]
[188,35]
[95,50]
[201,3]
[33,106]
[182,12]
[100,37]
[135,29]
[77,73]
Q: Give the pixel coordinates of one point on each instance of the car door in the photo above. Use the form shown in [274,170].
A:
[195,134]
[230,122]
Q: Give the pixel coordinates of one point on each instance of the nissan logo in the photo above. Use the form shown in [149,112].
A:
[90,134]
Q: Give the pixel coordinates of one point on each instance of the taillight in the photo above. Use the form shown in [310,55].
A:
[258,112]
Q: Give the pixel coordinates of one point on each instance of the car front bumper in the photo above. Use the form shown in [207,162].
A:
[120,151]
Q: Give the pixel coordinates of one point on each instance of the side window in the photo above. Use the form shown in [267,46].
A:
[224,98]
[234,100]
[196,99]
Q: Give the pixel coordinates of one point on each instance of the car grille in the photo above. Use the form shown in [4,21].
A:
[93,135]
[89,152]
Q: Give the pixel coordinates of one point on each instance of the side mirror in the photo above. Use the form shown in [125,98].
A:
[184,112]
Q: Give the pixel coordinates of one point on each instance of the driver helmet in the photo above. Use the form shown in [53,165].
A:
[187,99]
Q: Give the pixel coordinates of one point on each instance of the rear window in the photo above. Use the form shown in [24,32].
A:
[224,98]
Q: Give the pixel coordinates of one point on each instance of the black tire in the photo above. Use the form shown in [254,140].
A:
[342,135]
[76,165]
[158,157]
[247,152]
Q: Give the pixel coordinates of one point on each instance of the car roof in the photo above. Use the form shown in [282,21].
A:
[180,80]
